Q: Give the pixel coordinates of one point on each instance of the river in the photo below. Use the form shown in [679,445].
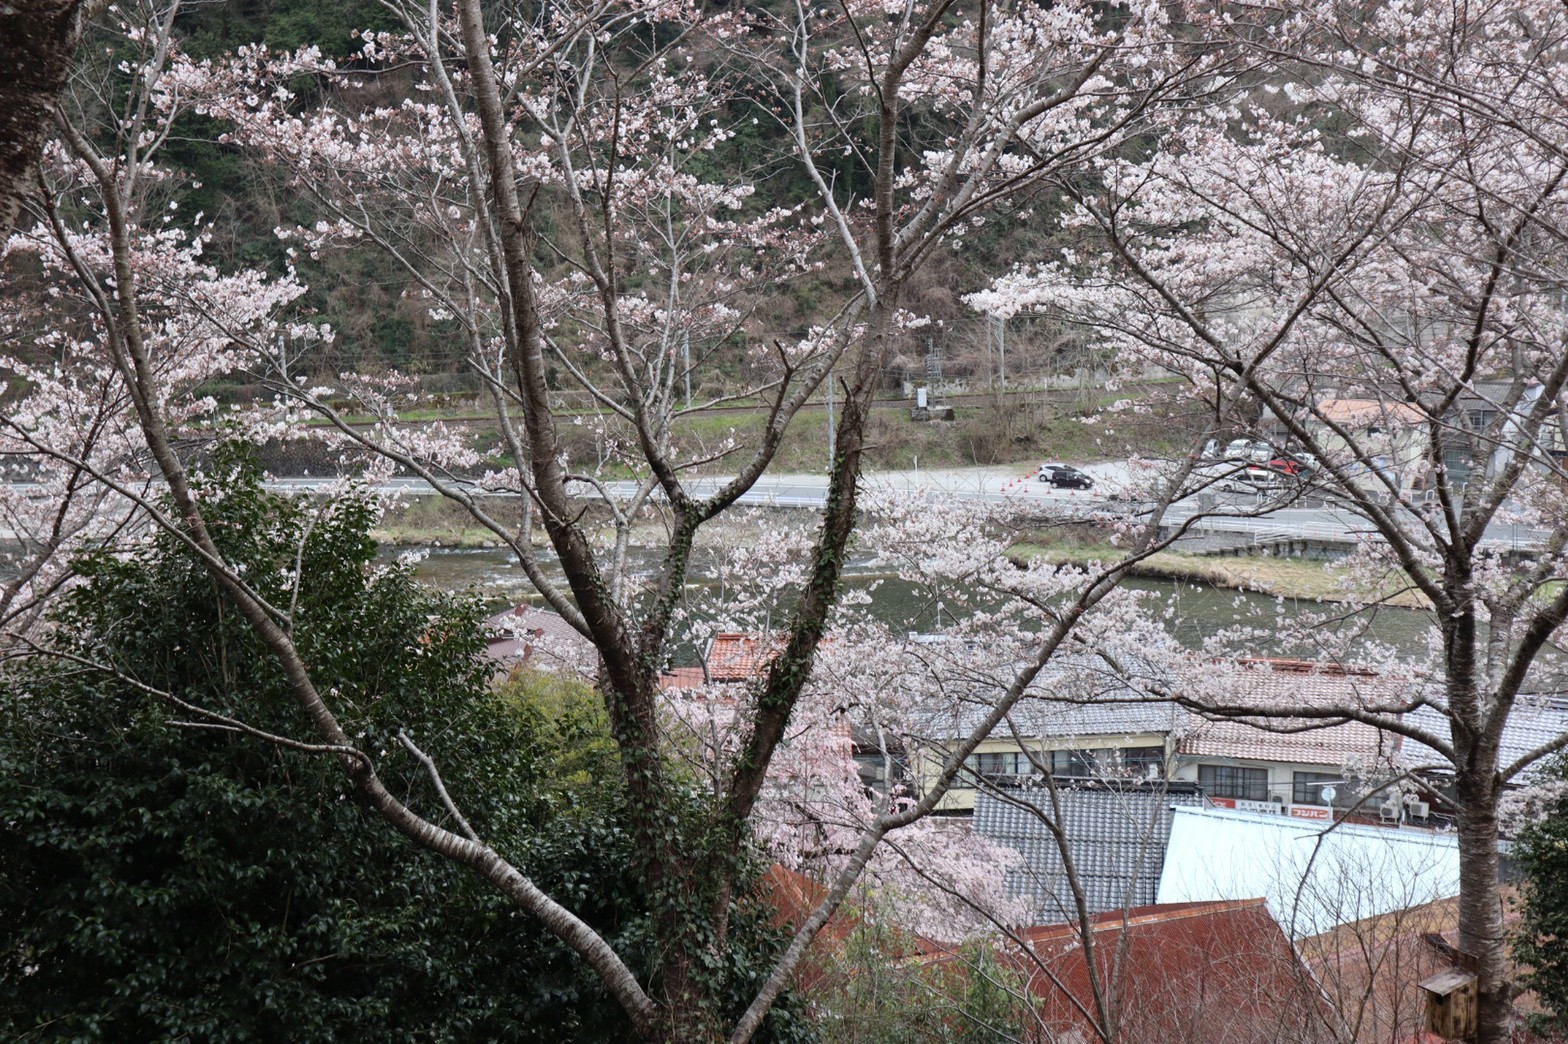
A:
[494,576]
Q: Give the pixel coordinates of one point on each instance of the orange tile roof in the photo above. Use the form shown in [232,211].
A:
[737,656]
[1369,411]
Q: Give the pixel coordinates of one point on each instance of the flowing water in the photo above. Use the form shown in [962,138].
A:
[1200,610]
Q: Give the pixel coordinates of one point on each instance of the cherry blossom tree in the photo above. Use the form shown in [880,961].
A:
[75,458]
[1367,243]
[545,189]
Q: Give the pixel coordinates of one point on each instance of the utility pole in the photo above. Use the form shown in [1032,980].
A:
[996,336]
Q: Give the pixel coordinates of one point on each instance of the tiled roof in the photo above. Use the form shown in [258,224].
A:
[738,656]
[1372,968]
[789,897]
[1369,411]
[1034,718]
[1536,720]
[1071,697]
[1305,740]
[539,637]
[1352,743]
[1116,833]
[1184,972]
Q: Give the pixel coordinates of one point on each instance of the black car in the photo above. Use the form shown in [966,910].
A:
[1065,476]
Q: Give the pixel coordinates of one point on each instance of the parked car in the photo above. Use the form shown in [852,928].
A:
[1262,477]
[1254,450]
[1290,466]
[1065,476]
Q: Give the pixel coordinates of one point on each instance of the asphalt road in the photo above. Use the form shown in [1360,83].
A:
[1015,486]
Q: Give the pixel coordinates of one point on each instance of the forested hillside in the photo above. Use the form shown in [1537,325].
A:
[379,316]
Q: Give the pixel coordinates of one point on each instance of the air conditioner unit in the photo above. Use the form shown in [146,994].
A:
[1420,809]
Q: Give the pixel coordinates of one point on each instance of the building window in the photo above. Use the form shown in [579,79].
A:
[1143,762]
[1077,763]
[999,764]
[1234,781]
[1307,789]
[1013,764]
[877,770]
[1480,420]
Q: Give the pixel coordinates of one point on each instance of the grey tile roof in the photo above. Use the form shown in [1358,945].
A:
[1070,698]
[1116,833]
[1536,721]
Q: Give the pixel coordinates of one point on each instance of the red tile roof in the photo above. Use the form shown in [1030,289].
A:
[737,656]
[792,896]
[1220,971]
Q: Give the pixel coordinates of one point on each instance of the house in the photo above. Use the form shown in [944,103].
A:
[1485,417]
[1292,766]
[1396,436]
[1073,724]
[538,638]
[1076,721]
[1313,878]
[1115,832]
[1079,723]
[1107,729]
[738,656]
[1393,436]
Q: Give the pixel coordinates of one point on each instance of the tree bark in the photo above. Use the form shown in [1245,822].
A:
[1481,932]
[38,41]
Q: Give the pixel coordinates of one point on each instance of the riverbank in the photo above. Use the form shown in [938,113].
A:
[436,522]
[431,521]
[1269,575]
[427,521]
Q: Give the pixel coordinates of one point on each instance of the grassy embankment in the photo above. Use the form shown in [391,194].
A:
[1024,429]
[431,522]
[1271,575]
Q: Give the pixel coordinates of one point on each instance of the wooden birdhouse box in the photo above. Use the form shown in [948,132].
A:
[1451,998]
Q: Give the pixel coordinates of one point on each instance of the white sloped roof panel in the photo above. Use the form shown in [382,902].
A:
[1312,879]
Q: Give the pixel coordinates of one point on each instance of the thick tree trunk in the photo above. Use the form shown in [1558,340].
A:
[37,46]
[1481,932]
